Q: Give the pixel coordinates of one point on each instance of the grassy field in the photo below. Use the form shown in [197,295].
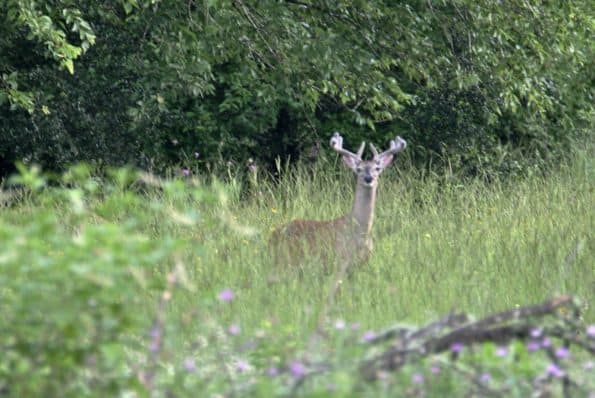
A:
[441,243]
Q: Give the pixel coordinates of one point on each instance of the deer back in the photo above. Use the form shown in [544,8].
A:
[299,240]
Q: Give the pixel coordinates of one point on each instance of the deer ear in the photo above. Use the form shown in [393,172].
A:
[385,160]
[350,162]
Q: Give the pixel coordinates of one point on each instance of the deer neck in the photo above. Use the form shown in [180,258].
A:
[362,213]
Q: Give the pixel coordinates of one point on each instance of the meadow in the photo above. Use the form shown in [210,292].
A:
[141,286]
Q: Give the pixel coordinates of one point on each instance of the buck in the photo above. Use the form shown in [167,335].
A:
[348,237]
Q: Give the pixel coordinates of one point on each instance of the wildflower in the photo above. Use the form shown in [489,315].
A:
[242,366]
[234,329]
[273,210]
[435,369]
[546,342]
[272,371]
[417,378]
[226,295]
[533,346]
[368,336]
[154,346]
[502,351]
[297,369]
[155,332]
[589,365]
[562,352]
[189,365]
[196,155]
[339,324]
[355,326]
[554,371]
[185,172]
[591,331]
[536,332]
[455,348]
[485,378]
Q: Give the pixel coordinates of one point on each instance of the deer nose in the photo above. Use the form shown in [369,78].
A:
[368,179]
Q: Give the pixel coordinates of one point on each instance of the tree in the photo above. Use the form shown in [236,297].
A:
[224,78]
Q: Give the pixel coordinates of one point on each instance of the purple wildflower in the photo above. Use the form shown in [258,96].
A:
[185,172]
[417,378]
[226,295]
[155,332]
[485,378]
[368,336]
[154,346]
[455,348]
[272,371]
[546,342]
[533,346]
[562,352]
[536,332]
[189,365]
[297,369]
[591,331]
[242,366]
[234,329]
[435,369]
[502,351]
[554,371]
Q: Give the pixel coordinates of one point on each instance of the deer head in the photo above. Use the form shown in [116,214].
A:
[367,171]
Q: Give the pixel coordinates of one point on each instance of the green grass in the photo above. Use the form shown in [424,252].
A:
[441,243]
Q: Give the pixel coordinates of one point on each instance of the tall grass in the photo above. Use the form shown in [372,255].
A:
[441,243]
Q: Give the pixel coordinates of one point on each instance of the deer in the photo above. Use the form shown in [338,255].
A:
[349,236]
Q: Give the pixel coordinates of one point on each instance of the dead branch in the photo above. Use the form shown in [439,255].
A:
[440,336]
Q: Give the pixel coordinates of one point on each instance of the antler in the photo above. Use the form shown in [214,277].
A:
[396,146]
[337,145]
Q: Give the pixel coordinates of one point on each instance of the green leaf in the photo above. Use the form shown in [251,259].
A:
[69,65]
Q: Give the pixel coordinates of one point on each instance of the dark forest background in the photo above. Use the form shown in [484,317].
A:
[488,87]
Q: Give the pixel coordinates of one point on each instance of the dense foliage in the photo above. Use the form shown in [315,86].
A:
[480,84]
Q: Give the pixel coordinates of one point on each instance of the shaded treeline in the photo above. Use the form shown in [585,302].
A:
[487,88]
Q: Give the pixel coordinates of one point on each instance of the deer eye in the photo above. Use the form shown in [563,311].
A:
[358,169]
[378,168]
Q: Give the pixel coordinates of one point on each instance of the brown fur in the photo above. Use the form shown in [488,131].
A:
[300,239]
